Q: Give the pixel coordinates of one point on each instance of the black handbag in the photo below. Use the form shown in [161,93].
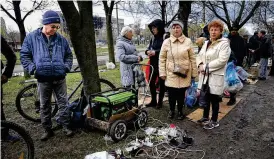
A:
[205,90]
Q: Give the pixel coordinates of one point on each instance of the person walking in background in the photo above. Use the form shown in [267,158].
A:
[177,66]
[127,54]
[157,29]
[265,51]
[46,54]
[237,45]
[8,69]
[215,54]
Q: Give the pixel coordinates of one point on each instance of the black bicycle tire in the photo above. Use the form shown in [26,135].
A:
[23,133]
[19,107]
[20,93]
[112,86]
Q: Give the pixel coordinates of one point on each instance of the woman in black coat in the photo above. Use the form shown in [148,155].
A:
[157,29]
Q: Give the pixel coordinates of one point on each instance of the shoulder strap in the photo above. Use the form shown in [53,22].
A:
[171,52]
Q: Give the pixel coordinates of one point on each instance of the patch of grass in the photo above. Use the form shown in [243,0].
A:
[83,143]
[18,62]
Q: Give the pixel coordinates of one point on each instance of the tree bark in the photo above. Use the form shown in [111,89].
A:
[81,30]
[184,11]
[108,13]
[163,10]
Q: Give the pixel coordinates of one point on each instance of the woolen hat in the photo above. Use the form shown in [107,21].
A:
[177,22]
[50,17]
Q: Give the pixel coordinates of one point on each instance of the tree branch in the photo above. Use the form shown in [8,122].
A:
[214,11]
[32,10]
[169,22]
[258,3]
[8,13]
[238,19]
[226,15]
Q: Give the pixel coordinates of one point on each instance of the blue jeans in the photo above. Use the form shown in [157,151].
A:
[263,67]
[45,91]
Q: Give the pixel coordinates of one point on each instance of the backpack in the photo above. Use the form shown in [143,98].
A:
[77,109]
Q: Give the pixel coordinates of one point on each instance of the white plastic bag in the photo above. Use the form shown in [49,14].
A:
[110,65]
[243,75]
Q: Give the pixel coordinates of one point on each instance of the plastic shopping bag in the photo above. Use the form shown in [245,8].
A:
[232,81]
[191,95]
[243,75]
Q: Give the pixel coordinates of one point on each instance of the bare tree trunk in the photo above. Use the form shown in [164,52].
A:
[110,40]
[163,10]
[184,11]
[108,13]
[81,30]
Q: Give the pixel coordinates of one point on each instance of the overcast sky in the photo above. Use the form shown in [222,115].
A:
[33,21]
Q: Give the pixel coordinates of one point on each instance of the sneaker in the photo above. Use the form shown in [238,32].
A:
[203,120]
[48,134]
[171,114]
[68,132]
[211,125]
[231,102]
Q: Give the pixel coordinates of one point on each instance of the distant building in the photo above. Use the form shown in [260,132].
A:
[101,34]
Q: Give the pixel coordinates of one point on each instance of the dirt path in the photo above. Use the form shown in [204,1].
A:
[247,132]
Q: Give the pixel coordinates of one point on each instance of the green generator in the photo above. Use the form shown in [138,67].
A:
[112,110]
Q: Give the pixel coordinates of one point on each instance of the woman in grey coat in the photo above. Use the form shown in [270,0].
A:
[127,54]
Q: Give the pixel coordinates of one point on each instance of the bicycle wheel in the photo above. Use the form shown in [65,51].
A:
[28,104]
[21,145]
[106,85]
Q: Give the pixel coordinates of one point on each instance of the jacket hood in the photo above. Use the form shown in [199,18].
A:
[159,24]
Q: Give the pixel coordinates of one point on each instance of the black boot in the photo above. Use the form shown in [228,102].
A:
[180,115]
[47,134]
[231,102]
[171,114]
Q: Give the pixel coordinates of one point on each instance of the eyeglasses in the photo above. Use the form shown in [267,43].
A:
[54,26]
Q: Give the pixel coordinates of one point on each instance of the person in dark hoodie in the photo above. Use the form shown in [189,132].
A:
[237,45]
[157,29]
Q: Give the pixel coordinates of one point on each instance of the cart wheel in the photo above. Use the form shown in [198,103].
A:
[118,130]
[142,119]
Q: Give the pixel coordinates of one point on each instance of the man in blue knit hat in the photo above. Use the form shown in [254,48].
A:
[46,55]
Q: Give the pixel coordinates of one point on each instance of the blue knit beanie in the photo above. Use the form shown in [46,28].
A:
[50,17]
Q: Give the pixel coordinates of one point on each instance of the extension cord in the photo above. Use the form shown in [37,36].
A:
[131,148]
